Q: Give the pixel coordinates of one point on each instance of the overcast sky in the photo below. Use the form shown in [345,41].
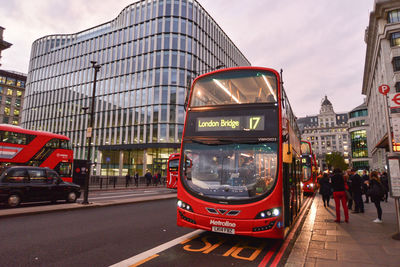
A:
[319,44]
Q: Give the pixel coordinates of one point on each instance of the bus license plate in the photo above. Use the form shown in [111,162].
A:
[223,230]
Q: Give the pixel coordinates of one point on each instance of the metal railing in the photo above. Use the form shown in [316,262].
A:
[112,182]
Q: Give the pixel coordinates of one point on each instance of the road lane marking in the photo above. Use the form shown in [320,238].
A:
[151,252]
[145,260]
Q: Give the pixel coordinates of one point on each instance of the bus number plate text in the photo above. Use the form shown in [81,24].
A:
[223,230]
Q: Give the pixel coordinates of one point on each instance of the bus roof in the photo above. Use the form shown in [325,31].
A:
[236,68]
[18,129]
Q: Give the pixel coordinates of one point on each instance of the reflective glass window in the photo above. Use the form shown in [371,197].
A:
[230,171]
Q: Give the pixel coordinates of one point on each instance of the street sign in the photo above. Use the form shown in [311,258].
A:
[384,89]
[394,100]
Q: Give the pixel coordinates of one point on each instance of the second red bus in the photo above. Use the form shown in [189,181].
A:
[20,146]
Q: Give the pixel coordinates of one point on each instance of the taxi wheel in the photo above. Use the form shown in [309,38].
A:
[13,200]
[71,197]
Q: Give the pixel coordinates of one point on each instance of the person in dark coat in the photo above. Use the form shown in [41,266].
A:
[385,183]
[339,194]
[365,179]
[325,189]
[136,177]
[148,177]
[376,192]
[127,179]
[356,189]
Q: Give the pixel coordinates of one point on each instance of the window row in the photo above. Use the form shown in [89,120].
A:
[12,81]
[75,101]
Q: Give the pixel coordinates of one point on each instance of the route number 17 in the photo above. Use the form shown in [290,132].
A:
[254,121]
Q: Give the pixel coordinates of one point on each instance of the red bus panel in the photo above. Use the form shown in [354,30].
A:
[172,170]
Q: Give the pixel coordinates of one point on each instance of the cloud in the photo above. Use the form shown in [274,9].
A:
[318,43]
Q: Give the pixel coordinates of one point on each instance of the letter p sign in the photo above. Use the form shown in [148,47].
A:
[384,89]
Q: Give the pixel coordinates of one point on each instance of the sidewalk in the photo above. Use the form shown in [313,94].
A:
[322,242]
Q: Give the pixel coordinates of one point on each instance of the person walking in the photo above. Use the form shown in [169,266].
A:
[347,185]
[356,187]
[325,189]
[148,177]
[136,177]
[127,179]
[376,192]
[385,183]
[339,194]
[365,180]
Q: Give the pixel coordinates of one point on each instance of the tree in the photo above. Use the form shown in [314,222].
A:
[336,160]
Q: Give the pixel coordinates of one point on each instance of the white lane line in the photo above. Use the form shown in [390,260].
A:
[160,248]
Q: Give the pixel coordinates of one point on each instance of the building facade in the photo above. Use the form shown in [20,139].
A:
[3,44]
[12,90]
[382,66]
[358,131]
[327,132]
[148,56]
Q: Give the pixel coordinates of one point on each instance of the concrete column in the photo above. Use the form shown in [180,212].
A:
[98,165]
[121,161]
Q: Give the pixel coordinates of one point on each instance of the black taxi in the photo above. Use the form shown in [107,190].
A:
[20,184]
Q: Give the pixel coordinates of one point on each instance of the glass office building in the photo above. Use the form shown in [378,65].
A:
[148,56]
[358,125]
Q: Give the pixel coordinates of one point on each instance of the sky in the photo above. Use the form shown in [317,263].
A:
[319,44]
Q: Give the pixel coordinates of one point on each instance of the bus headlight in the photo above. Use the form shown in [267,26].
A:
[312,185]
[269,213]
[184,205]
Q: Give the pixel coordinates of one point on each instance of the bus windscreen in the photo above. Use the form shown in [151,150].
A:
[230,171]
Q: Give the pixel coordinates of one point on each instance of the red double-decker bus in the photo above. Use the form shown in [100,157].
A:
[309,168]
[172,170]
[20,146]
[243,145]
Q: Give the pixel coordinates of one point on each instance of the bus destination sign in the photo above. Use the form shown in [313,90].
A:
[230,123]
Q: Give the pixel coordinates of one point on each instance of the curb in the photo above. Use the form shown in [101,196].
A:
[73,206]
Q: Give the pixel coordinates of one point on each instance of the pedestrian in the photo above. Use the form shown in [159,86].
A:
[365,180]
[155,180]
[356,189]
[347,186]
[339,194]
[385,183]
[159,178]
[325,189]
[127,180]
[148,177]
[376,192]
[136,177]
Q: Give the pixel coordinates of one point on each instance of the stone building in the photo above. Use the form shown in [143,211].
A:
[327,132]
[12,90]
[382,66]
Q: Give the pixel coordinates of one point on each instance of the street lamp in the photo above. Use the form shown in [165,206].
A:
[89,134]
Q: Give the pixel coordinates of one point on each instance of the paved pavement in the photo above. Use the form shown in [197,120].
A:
[361,242]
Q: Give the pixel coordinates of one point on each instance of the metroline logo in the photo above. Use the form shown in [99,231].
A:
[219,223]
